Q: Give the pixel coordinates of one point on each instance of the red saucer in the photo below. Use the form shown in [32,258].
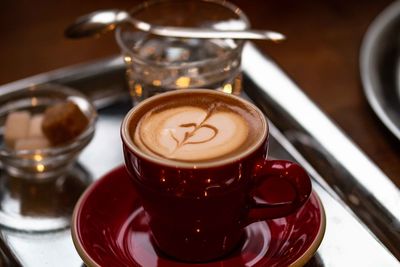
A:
[109,229]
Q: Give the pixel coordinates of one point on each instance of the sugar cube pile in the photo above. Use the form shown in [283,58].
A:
[59,124]
[16,127]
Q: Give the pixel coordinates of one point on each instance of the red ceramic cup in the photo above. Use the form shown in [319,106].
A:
[197,212]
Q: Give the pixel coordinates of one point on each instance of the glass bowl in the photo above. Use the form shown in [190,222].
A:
[40,187]
[156,64]
[48,162]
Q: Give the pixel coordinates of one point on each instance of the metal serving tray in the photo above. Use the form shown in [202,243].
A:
[347,242]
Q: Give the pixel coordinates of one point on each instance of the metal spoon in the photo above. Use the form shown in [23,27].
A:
[100,22]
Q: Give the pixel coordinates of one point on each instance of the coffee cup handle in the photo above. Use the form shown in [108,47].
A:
[280,178]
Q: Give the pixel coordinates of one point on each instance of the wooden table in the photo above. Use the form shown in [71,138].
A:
[321,54]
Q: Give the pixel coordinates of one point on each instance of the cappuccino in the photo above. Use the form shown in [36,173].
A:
[196,159]
[196,126]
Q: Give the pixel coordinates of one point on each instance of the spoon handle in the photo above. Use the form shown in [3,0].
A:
[99,22]
[203,33]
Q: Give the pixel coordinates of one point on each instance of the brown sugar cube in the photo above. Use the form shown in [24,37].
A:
[32,143]
[63,122]
[16,127]
[35,126]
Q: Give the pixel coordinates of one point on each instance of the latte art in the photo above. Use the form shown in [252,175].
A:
[199,126]
[189,133]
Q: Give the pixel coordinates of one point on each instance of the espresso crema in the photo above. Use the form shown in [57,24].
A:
[197,127]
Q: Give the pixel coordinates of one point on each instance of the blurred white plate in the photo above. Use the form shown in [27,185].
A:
[379,67]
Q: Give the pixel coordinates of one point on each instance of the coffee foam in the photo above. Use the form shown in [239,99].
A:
[196,130]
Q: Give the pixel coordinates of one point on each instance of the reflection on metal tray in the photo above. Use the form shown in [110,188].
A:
[339,165]
[346,242]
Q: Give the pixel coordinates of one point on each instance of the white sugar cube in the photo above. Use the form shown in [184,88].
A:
[35,126]
[32,143]
[16,127]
